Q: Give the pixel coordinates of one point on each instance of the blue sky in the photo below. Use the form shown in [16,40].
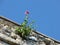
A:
[46,14]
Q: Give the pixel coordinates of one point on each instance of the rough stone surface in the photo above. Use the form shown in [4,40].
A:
[9,37]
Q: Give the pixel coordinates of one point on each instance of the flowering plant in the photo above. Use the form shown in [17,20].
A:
[24,29]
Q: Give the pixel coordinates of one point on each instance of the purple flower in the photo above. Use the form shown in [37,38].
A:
[26,12]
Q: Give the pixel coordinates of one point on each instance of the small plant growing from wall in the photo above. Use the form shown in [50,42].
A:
[24,29]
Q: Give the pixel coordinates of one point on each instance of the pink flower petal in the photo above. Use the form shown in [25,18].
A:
[27,12]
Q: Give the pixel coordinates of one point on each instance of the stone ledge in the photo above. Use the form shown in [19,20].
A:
[8,39]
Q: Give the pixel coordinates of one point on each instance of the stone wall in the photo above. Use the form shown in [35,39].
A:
[8,36]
